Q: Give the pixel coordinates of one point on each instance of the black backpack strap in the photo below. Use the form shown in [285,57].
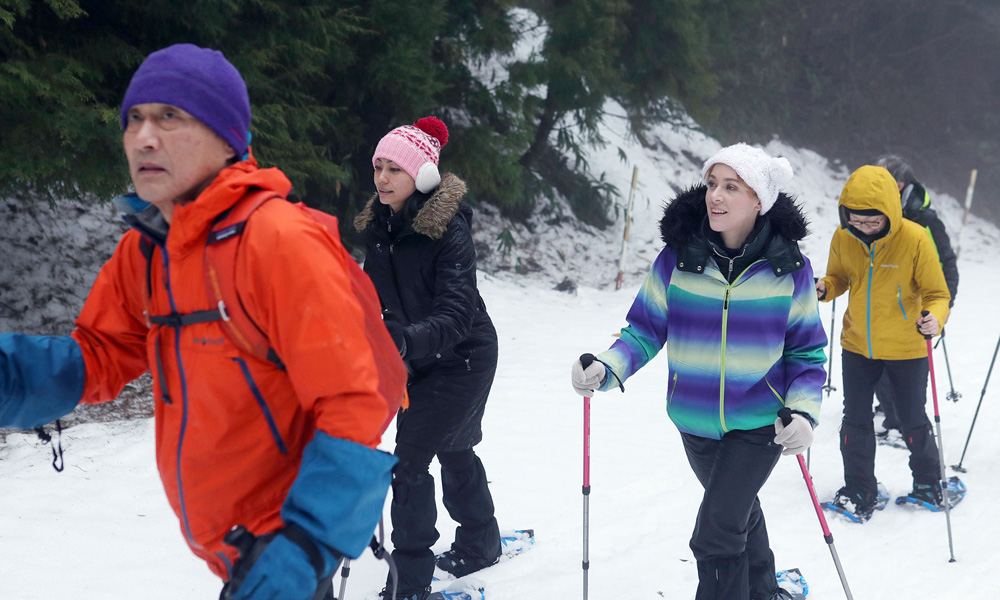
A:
[182,320]
[146,248]
[57,456]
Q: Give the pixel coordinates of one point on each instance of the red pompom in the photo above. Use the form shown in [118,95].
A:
[434,127]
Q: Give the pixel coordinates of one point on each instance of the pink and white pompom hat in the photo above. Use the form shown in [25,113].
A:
[416,149]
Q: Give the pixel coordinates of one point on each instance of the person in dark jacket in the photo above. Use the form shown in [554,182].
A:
[916,203]
[734,296]
[421,258]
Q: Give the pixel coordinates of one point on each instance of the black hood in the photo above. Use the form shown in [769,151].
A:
[684,216]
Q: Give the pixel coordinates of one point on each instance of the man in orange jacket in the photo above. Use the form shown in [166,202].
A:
[285,449]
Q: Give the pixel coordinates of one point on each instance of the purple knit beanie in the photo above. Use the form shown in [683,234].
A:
[200,81]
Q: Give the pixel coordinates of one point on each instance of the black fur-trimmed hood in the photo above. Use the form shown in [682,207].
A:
[433,217]
[684,216]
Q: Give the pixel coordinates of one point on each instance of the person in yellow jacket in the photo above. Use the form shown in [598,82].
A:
[891,271]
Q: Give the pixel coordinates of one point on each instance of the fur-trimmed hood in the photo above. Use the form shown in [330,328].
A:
[683,217]
[433,217]
[681,229]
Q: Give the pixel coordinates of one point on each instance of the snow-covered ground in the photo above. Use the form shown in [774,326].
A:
[103,530]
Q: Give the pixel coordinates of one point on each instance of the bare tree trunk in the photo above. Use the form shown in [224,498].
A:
[546,124]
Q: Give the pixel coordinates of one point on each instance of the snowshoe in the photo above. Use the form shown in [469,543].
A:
[456,564]
[465,589]
[451,565]
[929,496]
[855,507]
[515,541]
[791,586]
[386,594]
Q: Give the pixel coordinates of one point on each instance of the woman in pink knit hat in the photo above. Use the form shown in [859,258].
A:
[421,257]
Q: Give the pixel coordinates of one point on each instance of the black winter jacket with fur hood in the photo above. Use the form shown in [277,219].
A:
[425,275]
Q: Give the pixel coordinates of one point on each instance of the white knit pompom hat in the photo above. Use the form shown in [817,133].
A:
[763,173]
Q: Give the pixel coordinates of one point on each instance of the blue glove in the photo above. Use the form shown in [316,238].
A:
[41,379]
[338,496]
[331,511]
[281,572]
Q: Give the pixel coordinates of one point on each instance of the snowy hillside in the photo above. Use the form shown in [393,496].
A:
[102,529]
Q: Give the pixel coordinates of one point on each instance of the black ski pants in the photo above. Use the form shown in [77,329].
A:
[908,379]
[414,512]
[730,541]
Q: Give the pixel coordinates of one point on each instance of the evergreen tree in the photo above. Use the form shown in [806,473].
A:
[65,64]
[650,56]
[328,79]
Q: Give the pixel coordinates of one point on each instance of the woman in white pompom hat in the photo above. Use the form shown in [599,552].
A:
[421,257]
[734,295]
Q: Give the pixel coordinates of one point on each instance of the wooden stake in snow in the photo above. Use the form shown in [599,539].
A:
[965,216]
[628,226]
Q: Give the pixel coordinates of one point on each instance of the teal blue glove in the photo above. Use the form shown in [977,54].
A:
[281,572]
[330,511]
[283,564]
[41,379]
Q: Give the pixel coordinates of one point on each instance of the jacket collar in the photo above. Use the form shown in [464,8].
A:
[191,222]
[684,217]
[433,217]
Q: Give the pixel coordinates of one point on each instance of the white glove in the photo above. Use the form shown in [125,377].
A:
[795,437]
[585,381]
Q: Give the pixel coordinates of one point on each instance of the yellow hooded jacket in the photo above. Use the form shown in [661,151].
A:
[890,281]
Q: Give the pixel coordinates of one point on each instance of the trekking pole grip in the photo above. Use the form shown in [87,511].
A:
[924,313]
[785,414]
[587,359]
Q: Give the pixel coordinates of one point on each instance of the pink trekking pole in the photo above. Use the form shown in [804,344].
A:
[940,442]
[786,417]
[586,360]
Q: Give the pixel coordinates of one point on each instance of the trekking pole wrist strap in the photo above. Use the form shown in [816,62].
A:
[303,540]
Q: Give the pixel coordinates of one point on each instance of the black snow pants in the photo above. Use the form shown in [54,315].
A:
[908,379]
[444,420]
[730,541]
[414,512]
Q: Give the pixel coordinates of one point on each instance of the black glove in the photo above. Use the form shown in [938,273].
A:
[396,330]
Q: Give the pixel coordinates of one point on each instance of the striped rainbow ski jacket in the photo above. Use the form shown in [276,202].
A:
[737,352]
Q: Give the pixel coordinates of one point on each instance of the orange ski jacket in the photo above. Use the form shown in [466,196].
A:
[230,428]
